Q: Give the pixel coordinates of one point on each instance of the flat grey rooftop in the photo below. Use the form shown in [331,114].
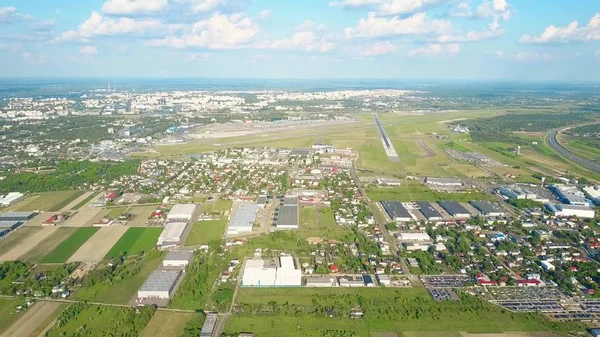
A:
[160,280]
[179,255]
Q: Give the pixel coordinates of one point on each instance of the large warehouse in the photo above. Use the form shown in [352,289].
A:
[488,208]
[160,284]
[396,211]
[286,216]
[8,226]
[182,212]
[413,237]
[178,258]
[428,211]
[17,216]
[172,234]
[583,212]
[442,181]
[243,219]
[269,273]
[11,198]
[455,209]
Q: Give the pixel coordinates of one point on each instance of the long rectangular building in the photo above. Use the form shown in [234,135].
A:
[455,209]
[182,212]
[160,284]
[243,219]
[286,215]
[210,325]
[488,208]
[17,216]
[428,211]
[172,234]
[396,211]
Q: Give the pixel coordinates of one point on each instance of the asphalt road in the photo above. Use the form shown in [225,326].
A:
[563,152]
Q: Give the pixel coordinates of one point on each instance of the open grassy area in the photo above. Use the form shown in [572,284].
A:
[165,323]
[97,321]
[319,222]
[385,309]
[120,291]
[70,245]
[8,315]
[47,201]
[421,193]
[86,200]
[222,205]
[204,232]
[65,201]
[115,212]
[135,240]
[39,252]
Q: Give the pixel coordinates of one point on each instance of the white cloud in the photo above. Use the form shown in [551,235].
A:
[10,47]
[393,7]
[97,25]
[10,15]
[218,32]
[309,25]
[463,10]
[435,49]
[32,58]
[196,57]
[493,31]
[302,40]
[205,6]
[127,7]
[376,49]
[495,8]
[264,14]
[597,53]
[353,3]
[532,56]
[416,24]
[43,26]
[571,33]
[88,50]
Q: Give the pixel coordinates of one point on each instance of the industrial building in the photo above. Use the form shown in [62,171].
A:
[388,182]
[172,234]
[182,212]
[178,258]
[210,325]
[261,201]
[594,193]
[579,211]
[413,237]
[243,219]
[396,211]
[516,192]
[269,273]
[569,195]
[488,208]
[428,211]
[159,285]
[11,198]
[442,181]
[455,209]
[286,215]
[17,216]
[351,281]
[320,281]
[8,226]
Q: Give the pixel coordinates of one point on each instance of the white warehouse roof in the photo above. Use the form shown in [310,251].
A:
[172,232]
[182,212]
[405,236]
[243,219]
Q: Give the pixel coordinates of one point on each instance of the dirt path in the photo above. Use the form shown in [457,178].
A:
[28,244]
[76,201]
[99,244]
[32,319]
[82,218]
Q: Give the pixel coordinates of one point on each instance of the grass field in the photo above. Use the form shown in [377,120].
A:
[66,200]
[116,212]
[204,232]
[70,245]
[222,205]
[49,244]
[101,321]
[421,193]
[385,309]
[120,291]
[7,312]
[17,237]
[47,201]
[86,200]
[165,323]
[319,222]
[135,240]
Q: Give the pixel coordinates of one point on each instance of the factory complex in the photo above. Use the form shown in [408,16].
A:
[179,219]
[279,272]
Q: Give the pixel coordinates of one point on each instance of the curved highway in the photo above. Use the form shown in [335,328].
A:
[564,152]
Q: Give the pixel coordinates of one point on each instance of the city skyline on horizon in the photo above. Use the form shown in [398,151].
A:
[472,40]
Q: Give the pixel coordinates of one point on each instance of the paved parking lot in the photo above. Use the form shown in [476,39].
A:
[444,281]
[522,294]
[443,294]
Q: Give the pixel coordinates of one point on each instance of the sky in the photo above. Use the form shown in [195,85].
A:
[525,40]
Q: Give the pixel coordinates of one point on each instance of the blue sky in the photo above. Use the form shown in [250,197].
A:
[398,39]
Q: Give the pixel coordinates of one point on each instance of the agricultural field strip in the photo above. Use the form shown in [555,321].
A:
[48,245]
[32,319]
[29,243]
[98,245]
